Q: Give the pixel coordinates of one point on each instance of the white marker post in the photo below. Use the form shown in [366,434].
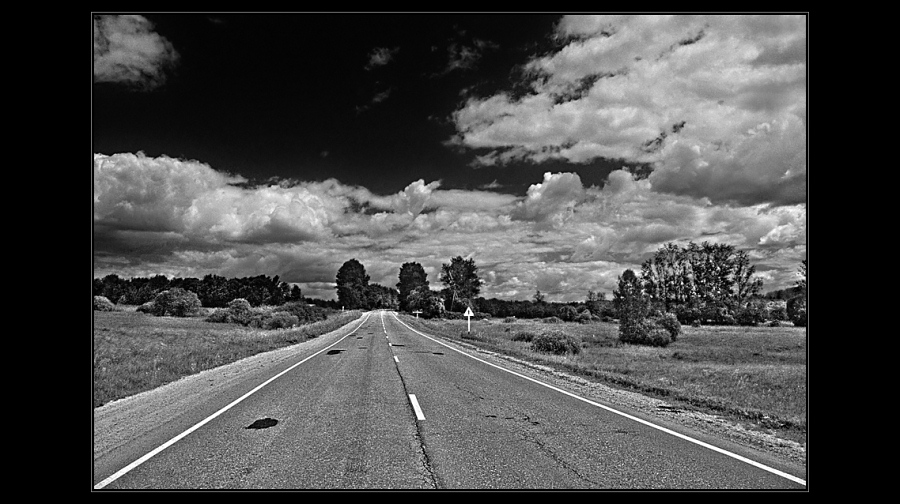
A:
[468,316]
[417,312]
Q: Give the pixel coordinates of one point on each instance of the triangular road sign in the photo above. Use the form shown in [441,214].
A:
[468,312]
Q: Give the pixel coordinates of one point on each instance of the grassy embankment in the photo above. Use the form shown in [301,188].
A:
[756,375]
[134,352]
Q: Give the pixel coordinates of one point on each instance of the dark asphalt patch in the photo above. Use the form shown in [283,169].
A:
[262,423]
[334,352]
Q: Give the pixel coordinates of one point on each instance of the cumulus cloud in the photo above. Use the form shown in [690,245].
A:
[552,201]
[128,51]
[180,217]
[654,89]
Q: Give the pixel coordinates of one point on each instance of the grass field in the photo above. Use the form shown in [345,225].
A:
[752,374]
[756,375]
[134,352]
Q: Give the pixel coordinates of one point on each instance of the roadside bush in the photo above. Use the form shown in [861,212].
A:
[103,304]
[645,332]
[176,302]
[552,320]
[526,336]
[303,312]
[556,342]
[688,315]
[584,317]
[750,316]
[670,323]
[146,308]
[567,313]
[509,319]
[796,310]
[273,320]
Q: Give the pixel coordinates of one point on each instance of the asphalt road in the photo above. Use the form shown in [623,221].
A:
[385,407]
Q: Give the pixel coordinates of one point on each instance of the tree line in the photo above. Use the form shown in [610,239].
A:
[703,283]
[214,291]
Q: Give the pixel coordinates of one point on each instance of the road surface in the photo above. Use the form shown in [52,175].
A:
[378,405]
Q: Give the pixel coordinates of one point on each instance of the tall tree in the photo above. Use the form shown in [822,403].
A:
[352,284]
[412,277]
[461,279]
[538,297]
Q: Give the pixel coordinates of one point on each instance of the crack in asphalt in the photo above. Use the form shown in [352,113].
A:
[426,469]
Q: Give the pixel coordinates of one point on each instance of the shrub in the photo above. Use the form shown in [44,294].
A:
[556,342]
[273,320]
[146,308]
[509,319]
[567,313]
[240,311]
[689,315]
[103,304]
[526,336]
[796,310]
[176,302]
[670,323]
[552,320]
[303,312]
[645,332]
[584,317]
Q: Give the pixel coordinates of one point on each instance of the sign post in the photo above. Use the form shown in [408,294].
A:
[417,312]
[468,316]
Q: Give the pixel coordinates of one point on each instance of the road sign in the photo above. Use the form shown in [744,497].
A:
[469,316]
[417,312]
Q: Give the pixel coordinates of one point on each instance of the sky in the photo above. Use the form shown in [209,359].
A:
[555,150]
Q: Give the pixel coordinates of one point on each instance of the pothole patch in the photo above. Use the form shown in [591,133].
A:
[263,423]
[334,352]
[438,353]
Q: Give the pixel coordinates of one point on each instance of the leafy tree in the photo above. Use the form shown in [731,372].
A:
[412,277]
[215,291]
[538,297]
[352,285]
[461,278]
[427,301]
[296,294]
[176,302]
[379,296]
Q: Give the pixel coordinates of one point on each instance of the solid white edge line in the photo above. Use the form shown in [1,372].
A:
[626,415]
[121,472]
[415,405]
[396,359]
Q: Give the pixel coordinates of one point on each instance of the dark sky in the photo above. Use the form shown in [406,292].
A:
[292,96]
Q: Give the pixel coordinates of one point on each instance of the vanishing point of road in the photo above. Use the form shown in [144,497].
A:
[384,406]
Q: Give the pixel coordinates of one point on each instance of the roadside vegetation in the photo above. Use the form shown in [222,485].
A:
[756,375]
[135,351]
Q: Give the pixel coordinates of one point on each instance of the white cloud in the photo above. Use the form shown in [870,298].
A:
[170,216]
[652,89]
[127,50]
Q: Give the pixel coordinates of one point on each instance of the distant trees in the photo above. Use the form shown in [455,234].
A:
[705,275]
[796,306]
[212,290]
[412,277]
[352,284]
[460,277]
